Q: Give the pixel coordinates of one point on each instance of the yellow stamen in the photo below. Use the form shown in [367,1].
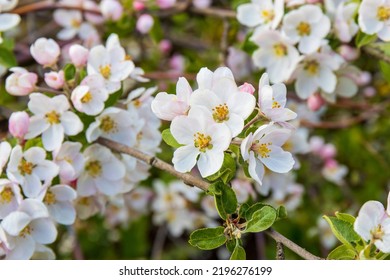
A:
[304,29]
[94,168]
[377,233]
[105,71]
[53,117]
[383,13]
[280,50]
[221,113]
[107,124]
[202,142]
[50,198]
[25,167]
[312,67]
[6,195]
[86,98]
[263,149]
[26,231]
[275,104]
[268,15]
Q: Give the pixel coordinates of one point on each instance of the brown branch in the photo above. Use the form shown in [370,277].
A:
[375,51]
[49,5]
[280,251]
[291,245]
[192,180]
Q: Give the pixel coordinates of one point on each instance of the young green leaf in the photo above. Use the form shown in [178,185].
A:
[281,213]
[69,72]
[343,252]
[363,39]
[252,209]
[343,230]
[7,58]
[169,139]
[261,219]
[226,202]
[238,253]
[208,238]
[345,217]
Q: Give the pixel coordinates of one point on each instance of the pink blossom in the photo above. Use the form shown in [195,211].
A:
[55,79]
[145,23]
[201,4]
[78,55]
[315,102]
[246,87]
[138,5]
[349,53]
[369,91]
[18,124]
[177,63]
[111,9]
[364,78]
[20,82]
[328,152]
[165,4]
[165,46]
[45,51]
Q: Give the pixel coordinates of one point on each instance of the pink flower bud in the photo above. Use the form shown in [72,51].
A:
[331,163]
[20,82]
[78,55]
[177,63]
[45,51]
[316,144]
[165,46]
[18,124]
[328,151]
[201,4]
[55,79]
[364,78]
[138,5]
[315,102]
[165,4]
[349,53]
[369,91]
[111,9]
[145,23]
[94,18]
[313,1]
[246,87]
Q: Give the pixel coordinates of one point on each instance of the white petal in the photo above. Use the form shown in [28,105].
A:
[256,168]
[327,80]
[36,126]
[114,170]
[183,89]
[184,158]
[63,213]
[34,208]
[32,186]
[249,15]
[71,123]
[43,231]
[53,137]
[8,21]
[183,129]
[23,250]
[204,78]
[384,33]
[15,222]
[305,86]
[210,162]
[278,161]
[369,217]
[63,192]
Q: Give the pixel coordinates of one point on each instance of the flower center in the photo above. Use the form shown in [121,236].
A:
[53,117]
[263,149]
[105,71]
[26,231]
[303,29]
[107,124]
[268,15]
[94,168]
[75,23]
[377,233]
[280,50]
[221,113]
[6,195]
[137,103]
[25,167]
[383,13]
[87,97]
[202,142]
[275,104]
[312,67]
[50,198]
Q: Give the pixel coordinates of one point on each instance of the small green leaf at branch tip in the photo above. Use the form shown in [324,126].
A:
[238,253]
[227,171]
[343,231]
[343,252]
[345,217]
[363,39]
[208,238]
[69,72]
[261,219]
[225,199]
[281,213]
[169,139]
[251,209]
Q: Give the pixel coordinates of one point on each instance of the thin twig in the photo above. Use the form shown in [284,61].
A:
[375,51]
[280,251]
[158,243]
[200,183]
[49,90]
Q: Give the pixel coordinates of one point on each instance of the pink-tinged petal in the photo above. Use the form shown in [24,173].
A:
[53,137]
[36,126]
[204,78]
[32,186]
[278,161]
[256,168]
[369,217]
[183,90]
[86,186]
[63,213]
[184,158]
[35,155]
[63,192]
[34,208]
[23,250]
[67,172]
[249,15]
[71,123]
[15,222]
[210,162]
[43,231]
[108,187]
[183,129]
[168,106]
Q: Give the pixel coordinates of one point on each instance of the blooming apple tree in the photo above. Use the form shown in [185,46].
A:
[276,118]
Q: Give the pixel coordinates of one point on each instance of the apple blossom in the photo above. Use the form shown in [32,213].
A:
[111,9]
[262,13]
[349,53]
[243,189]
[246,87]
[28,168]
[78,55]
[200,136]
[70,160]
[10,197]
[18,124]
[7,22]
[103,172]
[334,172]
[70,20]
[45,51]
[374,18]
[373,224]
[5,151]
[263,148]
[276,54]
[145,23]
[315,102]
[345,25]
[54,79]
[201,4]
[52,119]
[165,4]
[20,82]
[306,25]
[28,226]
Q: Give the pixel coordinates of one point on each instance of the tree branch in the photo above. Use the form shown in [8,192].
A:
[192,180]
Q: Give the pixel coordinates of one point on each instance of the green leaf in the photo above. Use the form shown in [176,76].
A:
[248,46]
[227,171]
[252,209]
[69,72]
[226,201]
[261,219]
[169,139]
[243,208]
[343,252]
[231,245]
[385,70]
[281,213]
[208,238]
[238,253]
[342,230]
[34,142]
[363,39]
[8,43]
[7,58]
[345,217]
[113,98]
